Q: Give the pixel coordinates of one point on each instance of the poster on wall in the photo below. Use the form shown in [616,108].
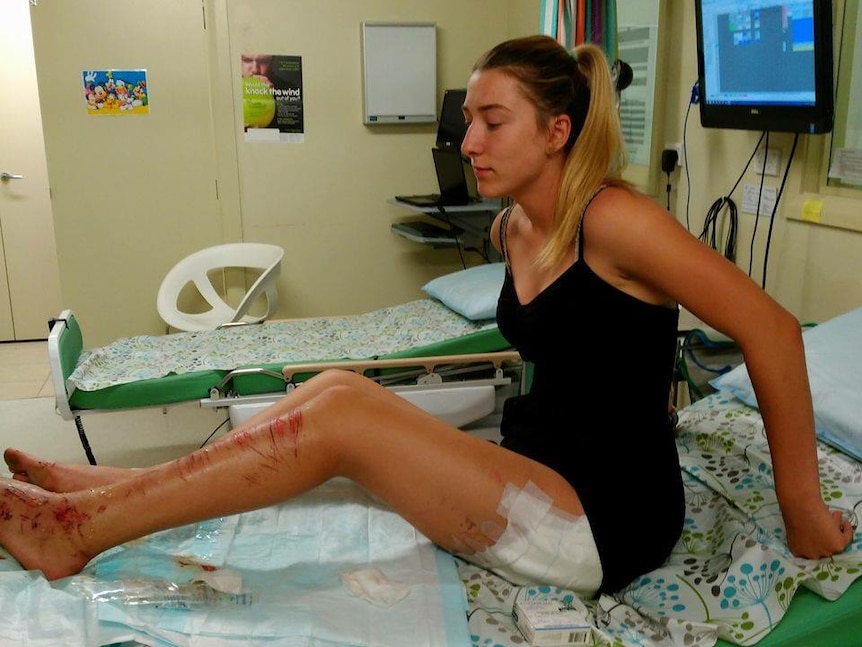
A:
[272,105]
[116,92]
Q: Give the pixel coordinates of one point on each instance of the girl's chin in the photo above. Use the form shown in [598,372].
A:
[488,191]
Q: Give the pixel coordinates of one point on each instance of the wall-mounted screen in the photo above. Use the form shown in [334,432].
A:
[765,64]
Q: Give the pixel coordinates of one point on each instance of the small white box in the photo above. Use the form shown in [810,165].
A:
[550,623]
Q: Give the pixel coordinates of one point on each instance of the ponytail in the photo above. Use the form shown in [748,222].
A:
[597,156]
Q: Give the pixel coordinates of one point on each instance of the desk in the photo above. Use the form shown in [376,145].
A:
[468,225]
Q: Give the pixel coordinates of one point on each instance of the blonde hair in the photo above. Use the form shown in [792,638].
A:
[581,87]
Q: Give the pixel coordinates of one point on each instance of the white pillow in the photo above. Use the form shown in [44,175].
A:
[472,293]
[833,354]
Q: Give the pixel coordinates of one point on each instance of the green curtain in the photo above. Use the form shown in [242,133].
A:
[573,22]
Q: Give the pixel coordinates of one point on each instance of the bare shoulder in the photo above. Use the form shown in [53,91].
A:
[635,244]
[618,212]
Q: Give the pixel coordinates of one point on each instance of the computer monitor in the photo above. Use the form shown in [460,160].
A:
[451,128]
[765,64]
[454,177]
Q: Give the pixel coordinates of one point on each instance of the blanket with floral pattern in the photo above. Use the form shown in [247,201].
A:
[730,575]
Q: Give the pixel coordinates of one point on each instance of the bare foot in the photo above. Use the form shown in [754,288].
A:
[42,530]
[60,477]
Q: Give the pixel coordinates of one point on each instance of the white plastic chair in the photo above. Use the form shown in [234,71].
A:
[195,269]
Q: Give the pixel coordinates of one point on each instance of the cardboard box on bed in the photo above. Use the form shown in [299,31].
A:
[549,623]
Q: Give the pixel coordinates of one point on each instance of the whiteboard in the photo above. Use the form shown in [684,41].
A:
[399,69]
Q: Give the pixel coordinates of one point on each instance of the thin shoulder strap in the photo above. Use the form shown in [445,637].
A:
[504,226]
[579,240]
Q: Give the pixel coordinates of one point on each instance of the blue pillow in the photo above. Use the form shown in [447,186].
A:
[472,293]
[833,355]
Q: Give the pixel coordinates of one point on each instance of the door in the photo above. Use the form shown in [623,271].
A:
[29,275]
[133,191]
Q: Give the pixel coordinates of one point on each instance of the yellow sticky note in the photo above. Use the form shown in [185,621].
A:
[811,210]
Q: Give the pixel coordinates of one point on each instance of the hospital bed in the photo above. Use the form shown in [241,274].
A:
[730,579]
[414,348]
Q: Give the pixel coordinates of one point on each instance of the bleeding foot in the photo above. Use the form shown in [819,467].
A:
[60,477]
[42,530]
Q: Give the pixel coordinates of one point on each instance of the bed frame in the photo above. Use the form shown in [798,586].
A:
[457,380]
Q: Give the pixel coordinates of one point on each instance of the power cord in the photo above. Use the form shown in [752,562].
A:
[669,158]
[775,208]
[693,99]
[757,208]
[710,225]
[214,431]
[456,231]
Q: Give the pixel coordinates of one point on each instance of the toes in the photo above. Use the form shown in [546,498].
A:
[12,458]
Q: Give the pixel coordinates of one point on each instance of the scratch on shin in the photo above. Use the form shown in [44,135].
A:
[294,422]
[276,431]
[246,439]
[192,463]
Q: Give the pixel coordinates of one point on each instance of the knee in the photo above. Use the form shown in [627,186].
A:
[341,390]
[334,378]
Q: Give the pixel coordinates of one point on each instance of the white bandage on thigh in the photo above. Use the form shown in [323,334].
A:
[542,545]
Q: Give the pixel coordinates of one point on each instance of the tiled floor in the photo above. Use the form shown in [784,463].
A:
[24,371]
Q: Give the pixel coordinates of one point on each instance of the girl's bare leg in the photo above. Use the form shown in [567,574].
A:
[445,482]
[70,477]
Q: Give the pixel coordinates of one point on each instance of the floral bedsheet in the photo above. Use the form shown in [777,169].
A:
[380,332]
[730,575]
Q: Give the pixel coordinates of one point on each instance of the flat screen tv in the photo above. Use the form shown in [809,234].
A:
[765,65]
[451,128]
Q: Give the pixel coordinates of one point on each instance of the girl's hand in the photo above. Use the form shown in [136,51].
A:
[820,533]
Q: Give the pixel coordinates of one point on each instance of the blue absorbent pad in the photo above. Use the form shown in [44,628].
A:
[291,559]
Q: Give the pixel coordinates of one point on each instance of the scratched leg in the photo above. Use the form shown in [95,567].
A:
[70,477]
[447,483]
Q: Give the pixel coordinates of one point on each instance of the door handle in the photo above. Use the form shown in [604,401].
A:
[4,176]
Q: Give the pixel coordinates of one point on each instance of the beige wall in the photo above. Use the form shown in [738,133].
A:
[326,199]
[813,270]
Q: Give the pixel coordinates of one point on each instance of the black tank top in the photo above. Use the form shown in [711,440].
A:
[597,409]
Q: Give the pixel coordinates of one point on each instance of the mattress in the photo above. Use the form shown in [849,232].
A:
[730,578]
[146,371]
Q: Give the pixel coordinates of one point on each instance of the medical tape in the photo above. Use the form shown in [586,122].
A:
[542,544]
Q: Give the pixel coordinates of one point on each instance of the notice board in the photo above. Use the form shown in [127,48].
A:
[399,70]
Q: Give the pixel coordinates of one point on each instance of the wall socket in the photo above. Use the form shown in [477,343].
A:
[773,161]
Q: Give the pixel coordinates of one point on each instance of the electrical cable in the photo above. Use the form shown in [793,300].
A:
[669,159]
[455,231]
[695,97]
[757,209]
[715,210]
[693,388]
[667,191]
[688,347]
[775,208]
[208,438]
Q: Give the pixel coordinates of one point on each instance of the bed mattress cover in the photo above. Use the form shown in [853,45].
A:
[730,578]
[156,370]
